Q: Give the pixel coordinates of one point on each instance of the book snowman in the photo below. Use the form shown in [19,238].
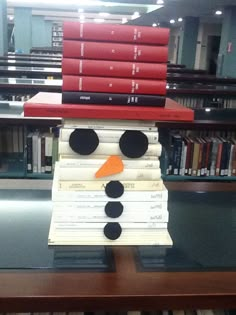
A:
[107,187]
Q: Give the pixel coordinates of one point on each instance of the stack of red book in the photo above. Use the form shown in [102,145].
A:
[107,64]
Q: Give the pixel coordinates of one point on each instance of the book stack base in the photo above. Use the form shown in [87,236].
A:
[113,195]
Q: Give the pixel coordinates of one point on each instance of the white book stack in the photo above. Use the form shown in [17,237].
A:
[107,187]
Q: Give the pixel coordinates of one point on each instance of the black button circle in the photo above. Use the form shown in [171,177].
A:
[114,209]
[133,144]
[83,141]
[112,231]
[114,189]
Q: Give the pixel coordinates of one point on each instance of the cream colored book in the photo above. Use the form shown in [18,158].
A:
[108,122]
[127,174]
[87,236]
[75,156]
[109,148]
[108,136]
[132,212]
[100,196]
[101,185]
[97,163]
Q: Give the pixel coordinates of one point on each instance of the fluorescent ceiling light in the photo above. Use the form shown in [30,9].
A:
[154,24]
[160,2]
[180,20]
[172,21]
[218,12]
[124,20]
[104,14]
[99,20]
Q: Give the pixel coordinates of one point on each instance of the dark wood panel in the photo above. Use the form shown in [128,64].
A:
[125,289]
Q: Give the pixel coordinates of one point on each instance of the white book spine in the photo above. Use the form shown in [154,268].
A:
[109,148]
[35,151]
[104,157]
[95,207]
[109,122]
[39,154]
[127,174]
[48,153]
[100,185]
[95,196]
[82,215]
[109,136]
[97,237]
[97,163]
[106,127]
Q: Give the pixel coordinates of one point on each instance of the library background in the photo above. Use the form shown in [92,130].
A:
[118,157]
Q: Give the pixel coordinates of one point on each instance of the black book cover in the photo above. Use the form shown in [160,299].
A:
[29,155]
[112,99]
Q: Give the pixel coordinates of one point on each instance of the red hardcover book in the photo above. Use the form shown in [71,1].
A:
[49,105]
[104,68]
[116,33]
[113,85]
[113,51]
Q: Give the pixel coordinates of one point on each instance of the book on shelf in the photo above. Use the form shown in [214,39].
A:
[116,52]
[202,155]
[105,68]
[116,33]
[41,152]
[113,85]
[113,99]
[49,105]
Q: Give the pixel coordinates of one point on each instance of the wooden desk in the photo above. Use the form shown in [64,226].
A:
[125,289]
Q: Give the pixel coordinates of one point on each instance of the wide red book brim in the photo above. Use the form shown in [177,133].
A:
[49,105]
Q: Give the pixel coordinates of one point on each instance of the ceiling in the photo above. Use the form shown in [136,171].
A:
[122,11]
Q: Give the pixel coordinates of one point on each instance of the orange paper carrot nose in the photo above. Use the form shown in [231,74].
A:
[112,166]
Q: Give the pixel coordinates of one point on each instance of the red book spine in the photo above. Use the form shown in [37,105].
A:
[218,158]
[113,85]
[106,112]
[110,51]
[119,69]
[116,33]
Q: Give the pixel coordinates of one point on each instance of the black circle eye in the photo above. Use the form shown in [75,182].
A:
[133,144]
[112,231]
[83,141]
[114,209]
[114,189]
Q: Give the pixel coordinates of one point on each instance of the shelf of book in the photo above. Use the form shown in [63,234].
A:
[39,176]
[175,178]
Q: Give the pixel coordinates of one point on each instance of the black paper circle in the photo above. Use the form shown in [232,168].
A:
[133,144]
[83,141]
[114,189]
[114,209]
[112,231]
